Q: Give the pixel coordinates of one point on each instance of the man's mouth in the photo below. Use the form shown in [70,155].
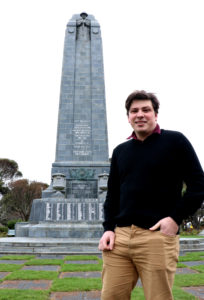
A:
[140,122]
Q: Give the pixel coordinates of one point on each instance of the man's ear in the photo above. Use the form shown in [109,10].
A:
[128,117]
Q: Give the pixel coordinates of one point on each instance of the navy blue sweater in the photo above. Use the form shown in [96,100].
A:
[146,180]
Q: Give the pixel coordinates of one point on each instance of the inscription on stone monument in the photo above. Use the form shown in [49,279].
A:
[82,138]
[74,211]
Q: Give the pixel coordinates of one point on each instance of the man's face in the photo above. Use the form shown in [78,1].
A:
[142,118]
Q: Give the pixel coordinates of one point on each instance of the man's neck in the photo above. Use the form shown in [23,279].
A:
[142,137]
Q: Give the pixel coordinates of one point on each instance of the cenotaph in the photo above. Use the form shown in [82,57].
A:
[72,206]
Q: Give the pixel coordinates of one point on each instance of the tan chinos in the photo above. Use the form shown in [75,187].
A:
[137,252]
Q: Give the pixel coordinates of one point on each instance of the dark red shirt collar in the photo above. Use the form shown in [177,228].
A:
[156,130]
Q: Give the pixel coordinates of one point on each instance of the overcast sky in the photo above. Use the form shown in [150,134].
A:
[155,45]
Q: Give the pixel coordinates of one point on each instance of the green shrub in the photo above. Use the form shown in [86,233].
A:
[3,229]
[11,224]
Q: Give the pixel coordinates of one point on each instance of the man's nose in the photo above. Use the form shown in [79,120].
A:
[140,114]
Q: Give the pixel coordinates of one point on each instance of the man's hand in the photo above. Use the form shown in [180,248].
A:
[167,226]
[107,241]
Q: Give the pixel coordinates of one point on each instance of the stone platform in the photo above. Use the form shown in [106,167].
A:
[49,246]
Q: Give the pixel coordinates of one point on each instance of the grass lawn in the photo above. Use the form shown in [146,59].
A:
[198,268]
[32,275]
[17,257]
[82,268]
[192,256]
[85,284]
[138,294]
[9,267]
[189,280]
[7,294]
[41,262]
[178,294]
[76,284]
[192,236]
[181,265]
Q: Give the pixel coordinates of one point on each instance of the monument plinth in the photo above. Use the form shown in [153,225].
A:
[72,206]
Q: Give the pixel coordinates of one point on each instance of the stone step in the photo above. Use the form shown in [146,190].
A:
[27,241]
[187,240]
[194,244]
[48,250]
[26,245]
[191,245]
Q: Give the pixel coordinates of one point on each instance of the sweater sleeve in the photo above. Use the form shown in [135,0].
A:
[193,177]
[113,194]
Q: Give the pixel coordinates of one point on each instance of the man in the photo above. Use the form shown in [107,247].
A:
[145,206]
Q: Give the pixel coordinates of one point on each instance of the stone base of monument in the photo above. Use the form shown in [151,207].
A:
[62,225]
[48,246]
[49,238]
[92,230]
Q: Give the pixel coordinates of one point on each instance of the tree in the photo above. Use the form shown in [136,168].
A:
[18,201]
[197,219]
[8,171]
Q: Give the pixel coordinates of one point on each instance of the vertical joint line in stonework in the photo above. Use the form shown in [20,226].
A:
[74,87]
[91,94]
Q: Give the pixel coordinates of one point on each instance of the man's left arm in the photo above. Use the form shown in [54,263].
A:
[192,199]
[193,177]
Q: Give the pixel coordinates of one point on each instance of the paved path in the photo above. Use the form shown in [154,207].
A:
[93,295]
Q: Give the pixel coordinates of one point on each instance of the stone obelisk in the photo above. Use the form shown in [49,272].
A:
[82,143]
[72,207]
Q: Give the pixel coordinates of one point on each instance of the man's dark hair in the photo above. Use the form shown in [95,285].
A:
[142,95]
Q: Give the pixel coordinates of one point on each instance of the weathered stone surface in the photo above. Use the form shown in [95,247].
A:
[45,246]
[82,262]
[26,284]
[69,230]
[11,262]
[42,268]
[93,274]
[194,263]
[82,140]
[92,295]
[82,128]
[66,210]
[185,271]
[196,291]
